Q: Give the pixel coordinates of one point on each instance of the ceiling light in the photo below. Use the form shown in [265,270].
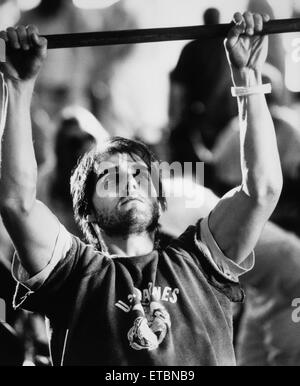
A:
[26,5]
[94,4]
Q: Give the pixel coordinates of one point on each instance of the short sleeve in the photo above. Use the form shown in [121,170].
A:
[198,245]
[227,267]
[53,292]
[62,246]
[44,291]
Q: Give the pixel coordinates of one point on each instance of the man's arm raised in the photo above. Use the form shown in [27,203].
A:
[238,219]
[32,227]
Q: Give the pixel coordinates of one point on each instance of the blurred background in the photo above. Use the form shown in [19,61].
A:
[174,96]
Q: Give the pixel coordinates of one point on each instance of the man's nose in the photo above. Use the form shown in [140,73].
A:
[131,184]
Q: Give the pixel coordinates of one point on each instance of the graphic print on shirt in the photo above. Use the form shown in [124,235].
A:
[151,319]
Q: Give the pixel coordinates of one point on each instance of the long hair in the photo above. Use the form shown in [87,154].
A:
[84,179]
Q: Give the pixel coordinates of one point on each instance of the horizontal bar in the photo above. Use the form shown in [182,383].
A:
[133,36]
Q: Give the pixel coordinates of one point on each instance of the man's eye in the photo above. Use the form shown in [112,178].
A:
[142,174]
[106,184]
[108,179]
[105,178]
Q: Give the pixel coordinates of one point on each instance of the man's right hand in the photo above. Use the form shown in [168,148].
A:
[25,53]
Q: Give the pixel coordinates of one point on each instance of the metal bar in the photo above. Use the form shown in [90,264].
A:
[105,38]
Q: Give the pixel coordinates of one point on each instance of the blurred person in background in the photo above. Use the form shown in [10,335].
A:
[268,335]
[199,86]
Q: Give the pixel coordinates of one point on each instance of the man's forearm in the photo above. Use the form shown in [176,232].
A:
[260,163]
[19,169]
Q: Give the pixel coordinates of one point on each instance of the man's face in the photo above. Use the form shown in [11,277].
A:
[125,200]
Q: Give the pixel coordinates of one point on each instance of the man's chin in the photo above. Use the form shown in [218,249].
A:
[135,221]
[132,218]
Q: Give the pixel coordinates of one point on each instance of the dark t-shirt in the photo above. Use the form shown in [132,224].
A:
[170,307]
[7,287]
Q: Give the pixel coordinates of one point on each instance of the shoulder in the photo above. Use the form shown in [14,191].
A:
[86,257]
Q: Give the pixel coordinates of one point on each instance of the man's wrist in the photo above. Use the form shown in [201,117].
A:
[246,77]
[20,88]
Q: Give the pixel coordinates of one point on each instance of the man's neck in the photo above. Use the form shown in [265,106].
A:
[131,245]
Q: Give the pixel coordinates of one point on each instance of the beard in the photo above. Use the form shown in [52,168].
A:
[133,221]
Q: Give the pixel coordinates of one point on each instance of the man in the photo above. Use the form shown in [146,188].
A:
[123,301]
